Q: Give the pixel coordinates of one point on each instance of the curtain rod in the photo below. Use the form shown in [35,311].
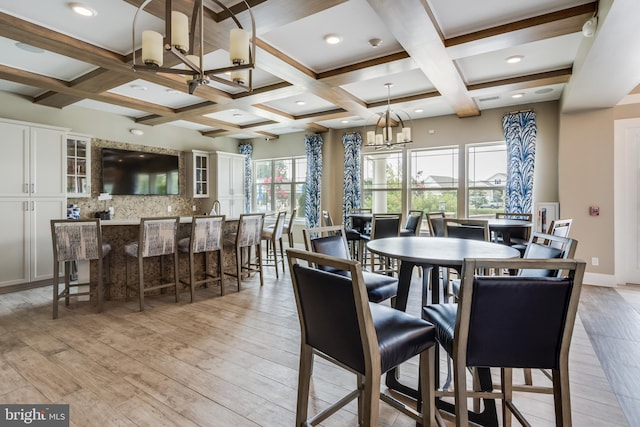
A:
[530,110]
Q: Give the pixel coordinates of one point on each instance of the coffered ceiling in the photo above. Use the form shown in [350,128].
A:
[442,56]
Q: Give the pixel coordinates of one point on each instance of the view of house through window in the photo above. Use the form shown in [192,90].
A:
[486,179]
[434,180]
[279,185]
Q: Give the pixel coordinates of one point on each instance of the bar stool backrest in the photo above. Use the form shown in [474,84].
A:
[158,236]
[76,240]
[206,234]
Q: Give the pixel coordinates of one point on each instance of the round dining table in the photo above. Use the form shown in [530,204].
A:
[430,253]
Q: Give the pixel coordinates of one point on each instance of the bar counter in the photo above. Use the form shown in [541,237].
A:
[119,232]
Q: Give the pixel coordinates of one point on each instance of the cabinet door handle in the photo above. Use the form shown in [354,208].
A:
[26,206]
[33,188]
[26,187]
[33,205]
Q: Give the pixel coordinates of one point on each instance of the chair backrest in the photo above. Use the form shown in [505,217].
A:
[206,233]
[514,215]
[326,217]
[158,236]
[560,227]
[329,241]
[534,315]
[414,221]
[546,246]
[435,220]
[279,225]
[249,230]
[385,225]
[335,318]
[76,239]
[292,217]
[472,229]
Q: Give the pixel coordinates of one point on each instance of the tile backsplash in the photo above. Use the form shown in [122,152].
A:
[137,206]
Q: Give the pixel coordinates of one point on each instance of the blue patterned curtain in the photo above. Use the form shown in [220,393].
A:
[520,133]
[352,148]
[313,148]
[247,150]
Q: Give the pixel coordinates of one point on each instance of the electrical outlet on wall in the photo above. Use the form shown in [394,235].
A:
[169,208]
[595,261]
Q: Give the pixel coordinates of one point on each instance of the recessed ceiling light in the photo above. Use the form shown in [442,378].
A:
[136,132]
[300,102]
[237,115]
[138,87]
[418,110]
[82,9]
[375,42]
[514,59]
[544,90]
[173,91]
[332,38]
[344,122]
[29,48]
[517,95]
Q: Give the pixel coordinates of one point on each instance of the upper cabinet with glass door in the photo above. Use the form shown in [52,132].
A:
[198,166]
[78,166]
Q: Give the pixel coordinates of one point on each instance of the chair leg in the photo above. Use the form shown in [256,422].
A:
[506,375]
[259,263]
[192,274]
[271,245]
[140,283]
[100,285]
[284,270]
[460,392]
[238,265]
[221,272]
[67,272]
[427,385]
[56,283]
[561,397]
[176,276]
[304,383]
[528,379]
[371,399]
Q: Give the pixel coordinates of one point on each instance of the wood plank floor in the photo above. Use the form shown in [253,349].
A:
[232,360]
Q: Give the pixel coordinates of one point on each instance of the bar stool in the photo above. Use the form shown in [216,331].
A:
[77,240]
[206,237]
[288,228]
[157,238]
[273,237]
[247,237]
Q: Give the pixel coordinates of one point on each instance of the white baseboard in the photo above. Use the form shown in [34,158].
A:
[600,279]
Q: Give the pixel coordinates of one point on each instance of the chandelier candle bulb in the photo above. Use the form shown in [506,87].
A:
[406,133]
[239,46]
[152,51]
[180,31]
[379,140]
[371,137]
[240,76]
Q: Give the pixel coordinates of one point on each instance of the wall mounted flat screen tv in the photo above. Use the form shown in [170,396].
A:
[126,172]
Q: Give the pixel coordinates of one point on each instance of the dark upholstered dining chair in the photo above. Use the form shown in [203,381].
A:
[535,318]
[413,224]
[338,323]
[331,241]
[435,221]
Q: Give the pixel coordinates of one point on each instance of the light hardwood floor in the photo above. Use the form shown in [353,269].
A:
[232,360]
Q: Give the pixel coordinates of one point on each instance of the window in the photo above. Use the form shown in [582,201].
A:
[382,182]
[280,185]
[486,178]
[433,182]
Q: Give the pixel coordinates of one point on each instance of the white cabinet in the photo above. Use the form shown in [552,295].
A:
[198,182]
[31,193]
[78,166]
[229,182]
[34,159]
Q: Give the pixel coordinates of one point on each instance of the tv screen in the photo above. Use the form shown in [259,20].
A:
[126,172]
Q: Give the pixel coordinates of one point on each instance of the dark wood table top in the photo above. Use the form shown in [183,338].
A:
[440,251]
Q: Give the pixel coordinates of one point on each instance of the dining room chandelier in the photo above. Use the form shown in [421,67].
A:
[381,136]
[179,40]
